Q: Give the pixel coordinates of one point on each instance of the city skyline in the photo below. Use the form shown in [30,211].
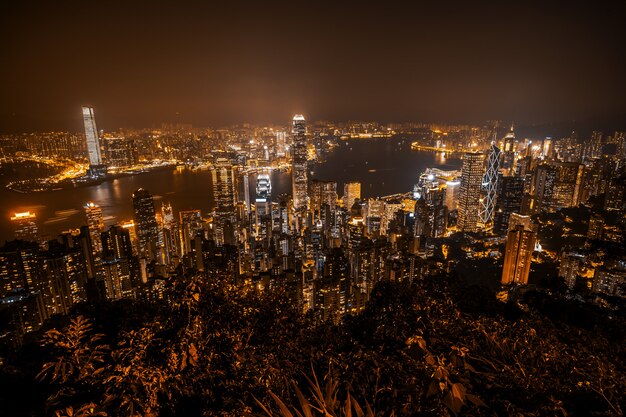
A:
[348,209]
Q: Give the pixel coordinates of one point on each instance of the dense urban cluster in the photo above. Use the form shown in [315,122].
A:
[518,216]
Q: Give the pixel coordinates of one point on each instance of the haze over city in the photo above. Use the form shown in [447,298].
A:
[213,64]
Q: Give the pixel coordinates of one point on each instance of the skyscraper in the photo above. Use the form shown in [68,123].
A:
[490,185]
[509,200]
[146,224]
[520,243]
[95,222]
[223,181]
[96,167]
[469,200]
[557,185]
[351,192]
[299,163]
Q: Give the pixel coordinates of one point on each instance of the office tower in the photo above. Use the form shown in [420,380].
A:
[95,222]
[490,185]
[223,181]
[520,243]
[509,151]
[146,224]
[509,200]
[96,167]
[120,267]
[191,224]
[299,163]
[351,192]
[224,195]
[323,192]
[516,219]
[246,191]
[25,226]
[263,206]
[452,194]
[547,148]
[469,200]
[281,144]
[557,185]
[171,234]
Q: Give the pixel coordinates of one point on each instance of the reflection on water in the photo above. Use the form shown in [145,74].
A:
[382,166]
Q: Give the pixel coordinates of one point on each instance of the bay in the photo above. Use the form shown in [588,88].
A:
[383,166]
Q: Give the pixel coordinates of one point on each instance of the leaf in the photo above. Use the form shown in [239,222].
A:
[475,400]
[458,390]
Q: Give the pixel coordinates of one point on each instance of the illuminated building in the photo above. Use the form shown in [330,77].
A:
[610,282]
[120,152]
[596,227]
[299,163]
[96,167]
[191,224]
[569,267]
[25,226]
[146,225]
[490,185]
[452,194]
[469,200]
[171,240]
[509,200]
[224,196]
[281,144]
[223,181]
[520,243]
[95,222]
[263,205]
[323,192]
[351,192]
[558,185]
[616,194]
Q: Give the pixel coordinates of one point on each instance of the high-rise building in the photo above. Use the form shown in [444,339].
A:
[299,163]
[469,200]
[323,192]
[146,224]
[520,244]
[351,192]
[223,181]
[171,240]
[490,185]
[281,144]
[509,200]
[191,224]
[96,166]
[25,226]
[557,185]
[95,222]
[224,195]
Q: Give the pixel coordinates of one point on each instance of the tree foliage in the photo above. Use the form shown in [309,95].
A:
[218,348]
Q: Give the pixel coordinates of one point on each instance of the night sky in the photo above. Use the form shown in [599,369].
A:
[140,63]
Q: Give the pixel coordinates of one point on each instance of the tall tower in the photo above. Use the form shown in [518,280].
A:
[520,243]
[224,195]
[95,222]
[96,167]
[469,200]
[146,224]
[299,163]
[490,185]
